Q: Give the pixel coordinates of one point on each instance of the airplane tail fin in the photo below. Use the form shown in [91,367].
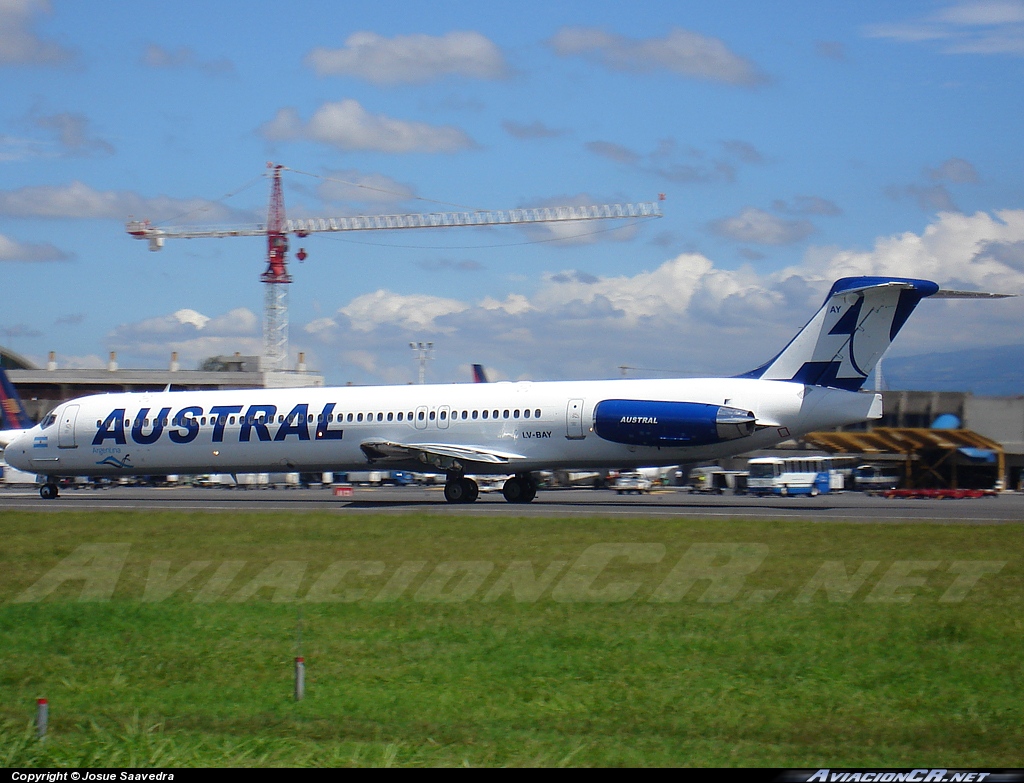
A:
[479,376]
[12,411]
[842,343]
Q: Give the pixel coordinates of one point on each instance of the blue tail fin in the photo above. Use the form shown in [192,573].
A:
[479,376]
[12,411]
[842,343]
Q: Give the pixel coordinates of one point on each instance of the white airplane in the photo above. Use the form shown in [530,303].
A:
[488,428]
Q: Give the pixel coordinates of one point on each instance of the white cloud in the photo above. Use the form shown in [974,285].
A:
[78,200]
[413,312]
[532,130]
[359,187]
[681,51]
[12,250]
[19,43]
[687,315]
[73,137]
[193,335]
[971,27]
[156,56]
[346,125]
[411,59]
[762,228]
[681,164]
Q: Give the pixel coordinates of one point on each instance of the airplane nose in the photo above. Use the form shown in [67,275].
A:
[17,453]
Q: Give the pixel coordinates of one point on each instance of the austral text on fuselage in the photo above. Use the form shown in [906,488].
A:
[638,420]
[185,425]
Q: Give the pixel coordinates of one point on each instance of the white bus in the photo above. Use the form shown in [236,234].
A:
[804,475]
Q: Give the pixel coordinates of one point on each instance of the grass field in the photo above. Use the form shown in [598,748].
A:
[169,638]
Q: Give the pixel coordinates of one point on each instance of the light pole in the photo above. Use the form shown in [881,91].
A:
[423,352]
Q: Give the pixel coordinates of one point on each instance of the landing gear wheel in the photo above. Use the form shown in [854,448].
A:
[48,491]
[519,489]
[814,492]
[461,490]
[455,491]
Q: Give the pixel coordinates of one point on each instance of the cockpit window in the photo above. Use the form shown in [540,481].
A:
[48,420]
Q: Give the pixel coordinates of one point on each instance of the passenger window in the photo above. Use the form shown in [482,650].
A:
[465,414]
[474,414]
[359,417]
[432,414]
[390,416]
[526,413]
[485,414]
[504,415]
[444,415]
[421,416]
[495,414]
[536,413]
[399,415]
[350,417]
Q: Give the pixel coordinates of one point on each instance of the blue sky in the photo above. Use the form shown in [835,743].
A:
[794,143]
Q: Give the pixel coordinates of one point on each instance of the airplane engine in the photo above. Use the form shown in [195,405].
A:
[670,424]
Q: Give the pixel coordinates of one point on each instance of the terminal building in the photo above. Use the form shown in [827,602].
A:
[41,389]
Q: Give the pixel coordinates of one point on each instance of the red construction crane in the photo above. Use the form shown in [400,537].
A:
[277,228]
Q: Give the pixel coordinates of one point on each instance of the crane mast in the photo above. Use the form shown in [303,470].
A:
[276,276]
[276,279]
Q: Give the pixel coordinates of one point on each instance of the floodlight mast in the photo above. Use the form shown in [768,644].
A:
[277,228]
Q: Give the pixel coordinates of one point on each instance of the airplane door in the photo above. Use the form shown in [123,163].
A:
[574,420]
[442,417]
[66,432]
[421,417]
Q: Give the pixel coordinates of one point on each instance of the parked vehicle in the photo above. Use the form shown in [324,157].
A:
[632,483]
[716,481]
[803,475]
[870,478]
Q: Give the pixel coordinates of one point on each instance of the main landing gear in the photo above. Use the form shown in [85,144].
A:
[521,488]
[48,491]
[459,489]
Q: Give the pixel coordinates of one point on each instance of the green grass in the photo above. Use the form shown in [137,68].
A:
[758,679]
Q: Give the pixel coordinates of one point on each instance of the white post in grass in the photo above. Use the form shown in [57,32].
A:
[300,678]
[42,718]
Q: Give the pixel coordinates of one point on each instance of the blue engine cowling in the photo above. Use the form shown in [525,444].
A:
[670,424]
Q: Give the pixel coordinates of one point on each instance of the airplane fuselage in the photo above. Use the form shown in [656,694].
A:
[515,427]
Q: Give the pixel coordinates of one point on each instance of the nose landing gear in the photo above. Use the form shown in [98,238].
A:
[48,491]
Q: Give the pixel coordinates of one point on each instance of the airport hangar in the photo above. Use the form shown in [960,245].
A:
[985,450]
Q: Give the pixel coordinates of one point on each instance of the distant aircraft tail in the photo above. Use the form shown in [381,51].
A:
[479,376]
[12,411]
[842,343]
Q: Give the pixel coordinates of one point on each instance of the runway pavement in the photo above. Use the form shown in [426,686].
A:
[847,506]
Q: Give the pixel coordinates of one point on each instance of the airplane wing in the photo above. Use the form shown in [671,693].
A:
[438,455]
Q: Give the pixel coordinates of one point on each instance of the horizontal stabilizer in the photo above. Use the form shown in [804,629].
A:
[945,294]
